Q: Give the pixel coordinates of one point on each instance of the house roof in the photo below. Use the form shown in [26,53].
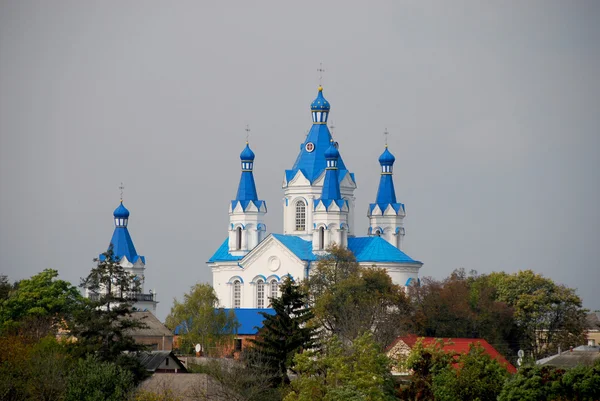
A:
[154,326]
[250,320]
[222,254]
[151,360]
[457,345]
[571,359]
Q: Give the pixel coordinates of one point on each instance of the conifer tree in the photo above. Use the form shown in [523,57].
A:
[285,333]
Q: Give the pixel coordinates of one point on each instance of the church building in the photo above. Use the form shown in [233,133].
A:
[318,211]
[134,264]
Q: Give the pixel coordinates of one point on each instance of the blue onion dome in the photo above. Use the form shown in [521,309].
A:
[247,154]
[320,103]
[386,158]
[121,211]
[332,152]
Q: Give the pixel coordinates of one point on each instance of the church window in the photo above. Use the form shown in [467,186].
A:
[237,294]
[300,216]
[378,233]
[238,238]
[274,288]
[322,238]
[260,294]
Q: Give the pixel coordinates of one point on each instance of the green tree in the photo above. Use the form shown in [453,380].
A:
[201,320]
[548,315]
[464,306]
[425,362]
[40,304]
[95,380]
[286,332]
[358,372]
[103,325]
[349,300]
[474,376]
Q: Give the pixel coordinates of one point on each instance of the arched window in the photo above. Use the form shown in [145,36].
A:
[237,294]
[300,215]
[274,288]
[322,238]
[238,238]
[378,233]
[260,294]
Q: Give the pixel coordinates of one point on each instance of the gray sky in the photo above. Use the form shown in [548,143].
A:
[492,107]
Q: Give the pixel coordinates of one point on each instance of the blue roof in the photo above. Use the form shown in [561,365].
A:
[386,192]
[331,186]
[121,211]
[320,103]
[312,164]
[376,249]
[299,247]
[386,158]
[222,254]
[247,154]
[246,188]
[250,320]
[123,246]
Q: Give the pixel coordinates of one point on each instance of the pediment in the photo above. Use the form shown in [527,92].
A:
[298,180]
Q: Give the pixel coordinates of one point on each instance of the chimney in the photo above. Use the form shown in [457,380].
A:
[571,348]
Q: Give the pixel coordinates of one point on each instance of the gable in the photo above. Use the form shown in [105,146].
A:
[272,257]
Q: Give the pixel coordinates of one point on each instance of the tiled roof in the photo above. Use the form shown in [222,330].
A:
[458,345]
[250,320]
[222,254]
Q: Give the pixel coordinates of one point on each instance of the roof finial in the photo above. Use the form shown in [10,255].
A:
[331,128]
[121,187]
[321,71]
[386,133]
[247,133]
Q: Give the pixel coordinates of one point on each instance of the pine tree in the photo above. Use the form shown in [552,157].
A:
[104,325]
[285,333]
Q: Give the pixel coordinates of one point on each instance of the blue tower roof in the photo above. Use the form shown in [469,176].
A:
[387,158]
[121,241]
[246,192]
[311,159]
[121,211]
[331,185]
[386,194]
[247,154]
[320,103]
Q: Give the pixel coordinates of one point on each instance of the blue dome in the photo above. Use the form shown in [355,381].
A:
[332,152]
[386,158]
[121,212]
[247,154]
[320,103]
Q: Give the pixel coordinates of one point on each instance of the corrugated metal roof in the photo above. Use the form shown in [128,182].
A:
[123,245]
[250,320]
[299,247]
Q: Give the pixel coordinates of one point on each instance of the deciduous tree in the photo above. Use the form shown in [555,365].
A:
[201,321]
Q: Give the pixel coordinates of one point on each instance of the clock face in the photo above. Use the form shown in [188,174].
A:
[309,147]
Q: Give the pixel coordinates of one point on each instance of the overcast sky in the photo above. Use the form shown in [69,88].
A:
[493,110]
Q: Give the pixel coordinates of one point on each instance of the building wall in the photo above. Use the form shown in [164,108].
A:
[163,343]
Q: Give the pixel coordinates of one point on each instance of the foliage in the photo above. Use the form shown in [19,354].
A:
[286,332]
[94,380]
[424,361]
[360,372]
[38,304]
[534,383]
[32,370]
[474,376]
[349,300]
[548,315]
[103,325]
[242,380]
[201,321]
